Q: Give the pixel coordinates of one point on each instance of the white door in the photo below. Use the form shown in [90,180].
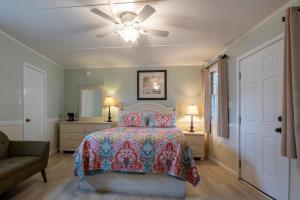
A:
[34,81]
[261,96]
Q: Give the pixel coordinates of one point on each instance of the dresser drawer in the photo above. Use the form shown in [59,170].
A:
[75,128]
[71,136]
[96,127]
[69,145]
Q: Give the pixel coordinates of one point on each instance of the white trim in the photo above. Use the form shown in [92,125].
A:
[29,48]
[238,61]
[16,122]
[272,15]
[233,125]
[260,47]
[219,163]
[45,98]
[203,64]
[20,122]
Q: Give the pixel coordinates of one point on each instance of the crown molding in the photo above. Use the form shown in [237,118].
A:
[134,66]
[29,48]
[272,15]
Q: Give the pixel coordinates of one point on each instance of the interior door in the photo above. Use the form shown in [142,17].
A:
[34,103]
[261,97]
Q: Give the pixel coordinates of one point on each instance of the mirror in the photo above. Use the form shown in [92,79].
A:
[91,102]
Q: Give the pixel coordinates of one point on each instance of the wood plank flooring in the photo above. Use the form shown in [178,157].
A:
[216,184]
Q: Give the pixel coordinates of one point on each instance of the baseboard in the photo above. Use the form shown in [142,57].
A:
[53,151]
[223,166]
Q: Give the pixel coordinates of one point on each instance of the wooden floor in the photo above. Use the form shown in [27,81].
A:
[216,184]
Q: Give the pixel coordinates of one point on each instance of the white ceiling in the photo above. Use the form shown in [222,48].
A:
[64,30]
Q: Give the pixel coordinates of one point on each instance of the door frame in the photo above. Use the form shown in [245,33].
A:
[45,96]
[238,114]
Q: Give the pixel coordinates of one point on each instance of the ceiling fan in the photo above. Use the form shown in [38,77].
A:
[130,24]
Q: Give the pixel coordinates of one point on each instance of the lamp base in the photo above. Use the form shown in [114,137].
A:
[192,125]
[191,130]
[109,116]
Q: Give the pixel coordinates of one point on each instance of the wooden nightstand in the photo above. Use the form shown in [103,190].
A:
[196,141]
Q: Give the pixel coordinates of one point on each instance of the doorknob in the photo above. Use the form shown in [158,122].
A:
[278,130]
[28,120]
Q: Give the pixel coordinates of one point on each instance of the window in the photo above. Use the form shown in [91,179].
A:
[214,94]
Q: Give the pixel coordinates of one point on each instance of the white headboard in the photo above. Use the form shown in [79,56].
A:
[148,106]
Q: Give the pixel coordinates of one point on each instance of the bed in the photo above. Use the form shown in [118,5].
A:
[140,160]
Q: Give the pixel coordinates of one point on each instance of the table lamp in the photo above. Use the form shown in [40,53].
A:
[192,110]
[109,101]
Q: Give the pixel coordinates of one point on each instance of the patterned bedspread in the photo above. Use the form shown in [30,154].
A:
[136,150]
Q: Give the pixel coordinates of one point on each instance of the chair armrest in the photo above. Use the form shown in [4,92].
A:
[29,148]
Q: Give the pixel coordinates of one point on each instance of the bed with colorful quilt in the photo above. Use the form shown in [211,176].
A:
[144,154]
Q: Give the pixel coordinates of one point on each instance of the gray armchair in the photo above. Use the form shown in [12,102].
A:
[21,159]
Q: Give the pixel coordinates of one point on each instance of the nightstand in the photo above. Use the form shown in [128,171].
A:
[196,141]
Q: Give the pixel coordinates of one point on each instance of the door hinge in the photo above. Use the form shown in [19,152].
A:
[240,119]
[240,164]
[240,76]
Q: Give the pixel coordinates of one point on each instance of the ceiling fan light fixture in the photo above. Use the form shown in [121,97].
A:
[129,34]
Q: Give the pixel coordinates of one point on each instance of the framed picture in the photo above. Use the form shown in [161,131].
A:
[152,85]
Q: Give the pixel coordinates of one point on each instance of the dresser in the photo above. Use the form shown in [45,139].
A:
[72,133]
[196,141]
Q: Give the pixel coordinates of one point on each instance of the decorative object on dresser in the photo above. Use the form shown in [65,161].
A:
[192,110]
[152,85]
[72,133]
[196,141]
[70,116]
[109,101]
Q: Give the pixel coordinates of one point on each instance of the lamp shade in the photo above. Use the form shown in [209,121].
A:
[192,110]
[109,101]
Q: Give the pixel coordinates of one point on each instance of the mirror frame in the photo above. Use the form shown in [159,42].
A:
[99,87]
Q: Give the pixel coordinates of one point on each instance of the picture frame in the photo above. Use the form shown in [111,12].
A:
[152,85]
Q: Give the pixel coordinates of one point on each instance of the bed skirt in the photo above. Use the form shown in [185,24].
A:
[154,184]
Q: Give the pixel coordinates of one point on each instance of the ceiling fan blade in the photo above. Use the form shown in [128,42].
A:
[158,33]
[102,35]
[104,15]
[146,12]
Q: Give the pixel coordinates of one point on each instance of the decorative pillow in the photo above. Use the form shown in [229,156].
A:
[162,120]
[133,119]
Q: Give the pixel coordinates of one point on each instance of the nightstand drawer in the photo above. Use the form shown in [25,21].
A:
[77,128]
[71,136]
[198,155]
[197,149]
[195,139]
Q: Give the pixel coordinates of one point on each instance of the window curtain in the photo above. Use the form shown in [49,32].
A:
[205,103]
[223,129]
[290,140]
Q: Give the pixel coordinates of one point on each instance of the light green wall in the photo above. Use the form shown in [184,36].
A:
[12,58]
[183,85]
[267,31]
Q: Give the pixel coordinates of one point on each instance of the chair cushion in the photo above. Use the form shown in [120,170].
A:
[4,146]
[10,166]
